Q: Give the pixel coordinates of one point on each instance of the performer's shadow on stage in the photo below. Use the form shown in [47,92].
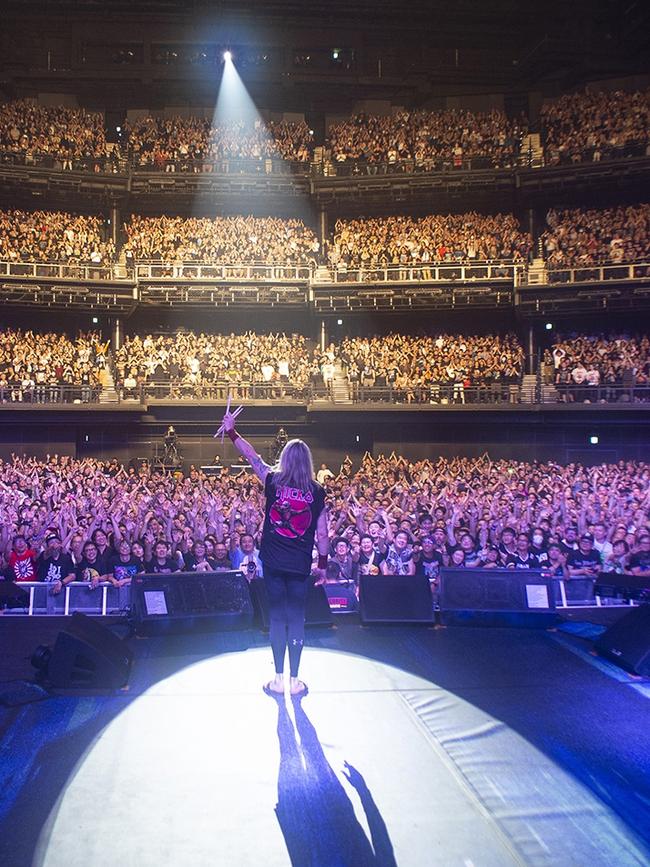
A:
[314,811]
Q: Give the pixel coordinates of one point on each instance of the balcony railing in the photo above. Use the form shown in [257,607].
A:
[110,272]
[204,271]
[16,394]
[439,272]
[599,273]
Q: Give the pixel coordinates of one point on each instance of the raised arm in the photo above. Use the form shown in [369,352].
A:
[260,467]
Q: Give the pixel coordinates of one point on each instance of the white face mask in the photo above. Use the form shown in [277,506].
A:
[538,540]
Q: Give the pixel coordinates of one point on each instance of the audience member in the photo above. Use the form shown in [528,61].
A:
[390,515]
[579,238]
[596,125]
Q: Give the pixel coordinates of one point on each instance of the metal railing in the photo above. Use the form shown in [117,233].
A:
[219,391]
[223,166]
[109,164]
[108,600]
[358,167]
[110,272]
[599,273]
[15,393]
[205,271]
[441,394]
[448,271]
[570,392]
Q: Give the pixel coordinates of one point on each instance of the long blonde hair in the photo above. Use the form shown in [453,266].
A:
[295,467]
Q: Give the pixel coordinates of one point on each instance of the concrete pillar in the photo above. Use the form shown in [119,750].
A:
[530,350]
[116,222]
[117,332]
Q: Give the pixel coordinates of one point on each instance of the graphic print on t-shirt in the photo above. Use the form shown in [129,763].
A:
[290,515]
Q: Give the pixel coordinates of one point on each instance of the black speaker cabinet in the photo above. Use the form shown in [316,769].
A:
[627,642]
[87,655]
[190,601]
[317,611]
[395,599]
[496,597]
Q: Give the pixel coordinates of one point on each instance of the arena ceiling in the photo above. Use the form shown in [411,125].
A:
[385,50]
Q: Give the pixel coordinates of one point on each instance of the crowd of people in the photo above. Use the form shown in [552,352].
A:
[594,125]
[576,127]
[386,241]
[418,369]
[89,520]
[54,236]
[35,366]
[429,139]
[181,143]
[66,134]
[583,366]
[579,238]
[573,238]
[220,240]
[200,365]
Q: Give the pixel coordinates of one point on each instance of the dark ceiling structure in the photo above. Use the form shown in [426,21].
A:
[314,55]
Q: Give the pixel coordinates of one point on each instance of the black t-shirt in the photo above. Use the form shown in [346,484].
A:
[519,562]
[156,568]
[49,569]
[640,560]
[429,566]
[104,560]
[578,560]
[290,525]
[122,570]
[86,571]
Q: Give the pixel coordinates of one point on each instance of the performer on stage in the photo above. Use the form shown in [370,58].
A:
[295,513]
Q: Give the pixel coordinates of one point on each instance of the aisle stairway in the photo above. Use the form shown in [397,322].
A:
[108,394]
[532,152]
[340,386]
[537,272]
[529,388]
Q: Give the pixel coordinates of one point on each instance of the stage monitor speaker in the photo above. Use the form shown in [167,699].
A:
[190,601]
[627,642]
[317,611]
[87,655]
[496,597]
[395,599]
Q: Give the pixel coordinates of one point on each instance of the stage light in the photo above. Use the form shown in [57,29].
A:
[549,326]
[339,322]
[227,56]
[358,438]
[335,54]
[95,320]
[594,440]
[118,129]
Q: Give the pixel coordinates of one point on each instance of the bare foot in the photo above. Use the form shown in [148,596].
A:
[297,686]
[276,685]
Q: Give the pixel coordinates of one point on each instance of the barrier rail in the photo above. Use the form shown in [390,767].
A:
[438,393]
[65,271]
[15,393]
[599,273]
[351,167]
[219,391]
[616,393]
[205,271]
[321,275]
[108,600]
[223,166]
[448,272]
